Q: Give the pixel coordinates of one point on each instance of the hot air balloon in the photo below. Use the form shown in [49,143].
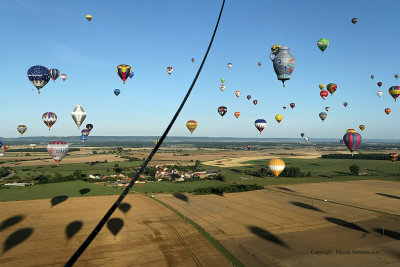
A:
[248,97]
[394,91]
[33,146]
[354,20]
[63,77]
[49,118]
[292,105]
[89,127]
[132,74]
[119,151]
[1,143]
[248,147]
[170,70]
[222,80]
[156,141]
[21,129]
[379,84]
[352,140]
[229,65]
[260,124]
[387,110]
[5,147]
[379,93]
[222,87]
[324,94]
[39,76]
[255,102]
[117,92]
[237,93]
[396,76]
[345,104]
[331,88]
[85,132]
[191,125]
[372,76]
[78,115]
[259,64]
[302,134]
[322,116]
[222,110]
[284,107]
[83,138]
[237,114]
[275,49]
[362,127]
[351,131]
[193,59]
[393,157]
[307,139]
[322,86]
[54,74]
[327,108]
[283,64]
[276,166]
[124,71]
[89,17]
[278,118]
[57,150]
[323,44]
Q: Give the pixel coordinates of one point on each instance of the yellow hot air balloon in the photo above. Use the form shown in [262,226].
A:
[322,86]
[191,125]
[278,118]
[89,17]
[276,166]
[275,48]
[362,127]
[350,131]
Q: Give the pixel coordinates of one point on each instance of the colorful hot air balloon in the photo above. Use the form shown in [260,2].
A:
[117,92]
[292,105]
[222,80]
[83,138]
[393,157]
[89,17]
[193,59]
[21,129]
[323,44]
[351,131]
[237,93]
[237,114]
[362,127]
[284,108]
[57,150]
[327,108]
[307,139]
[124,71]
[49,118]
[396,76]
[345,104]
[322,116]
[352,140]
[248,97]
[331,88]
[248,147]
[260,124]
[63,77]
[259,64]
[191,125]
[372,76]
[379,93]
[323,94]
[78,115]
[1,143]
[229,65]
[275,49]
[156,141]
[170,70]
[354,20]
[278,118]
[283,63]
[394,91]
[5,147]
[54,74]
[387,110]
[89,127]
[85,132]
[222,87]
[276,166]
[322,86]
[379,84]
[39,76]
[119,151]
[132,74]
[302,134]
[222,110]
[255,102]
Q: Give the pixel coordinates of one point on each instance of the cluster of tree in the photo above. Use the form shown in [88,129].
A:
[58,177]
[4,171]
[226,189]
[354,169]
[374,156]
[287,172]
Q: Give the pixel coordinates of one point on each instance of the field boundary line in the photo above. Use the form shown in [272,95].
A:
[217,245]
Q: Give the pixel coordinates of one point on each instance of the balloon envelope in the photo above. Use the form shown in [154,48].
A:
[222,110]
[170,70]
[117,92]
[276,166]
[292,105]
[54,74]
[362,127]
[260,124]
[39,76]
[89,17]
[237,93]
[49,118]
[124,71]
[324,94]
[322,86]
[237,114]
[354,20]
[255,102]
[323,44]
[78,115]
[352,140]
[191,125]
[387,110]
[278,118]
[379,93]
[394,91]
[21,129]
[57,150]
[322,115]
[331,88]
[89,127]
[222,87]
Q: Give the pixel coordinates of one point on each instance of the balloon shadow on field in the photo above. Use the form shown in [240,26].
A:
[285,189]
[346,224]
[57,200]
[115,225]
[181,197]
[389,233]
[306,206]
[124,207]
[84,191]
[11,221]
[387,195]
[266,235]
[73,228]
[17,238]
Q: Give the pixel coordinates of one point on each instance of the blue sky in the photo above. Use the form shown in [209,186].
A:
[151,35]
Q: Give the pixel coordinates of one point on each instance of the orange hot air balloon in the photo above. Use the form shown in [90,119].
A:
[393,157]
[278,118]
[191,125]
[237,93]
[276,166]
[237,114]
[387,110]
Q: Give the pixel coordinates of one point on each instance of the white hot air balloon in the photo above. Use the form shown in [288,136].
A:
[63,77]
[222,87]
[237,93]
[379,93]
[229,65]
[78,115]
[57,150]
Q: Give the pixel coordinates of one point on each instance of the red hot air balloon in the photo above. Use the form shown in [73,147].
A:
[379,84]
[331,88]
[352,140]
[324,94]
[387,110]
[255,102]
[292,105]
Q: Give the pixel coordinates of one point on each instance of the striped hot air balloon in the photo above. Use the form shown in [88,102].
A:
[393,157]
[276,166]
[260,124]
[394,91]
[49,118]
[387,111]
[124,71]
[237,114]
[191,125]
[54,74]
[352,140]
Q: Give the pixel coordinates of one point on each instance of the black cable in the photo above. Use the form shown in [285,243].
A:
[100,225]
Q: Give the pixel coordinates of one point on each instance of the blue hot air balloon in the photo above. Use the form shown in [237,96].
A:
[54,74]
[117,92]
[83,138]
[352,140]
[132,74]
[1,143]
[39,76]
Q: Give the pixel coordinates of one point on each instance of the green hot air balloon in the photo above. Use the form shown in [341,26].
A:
[222,80]
[323,44]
